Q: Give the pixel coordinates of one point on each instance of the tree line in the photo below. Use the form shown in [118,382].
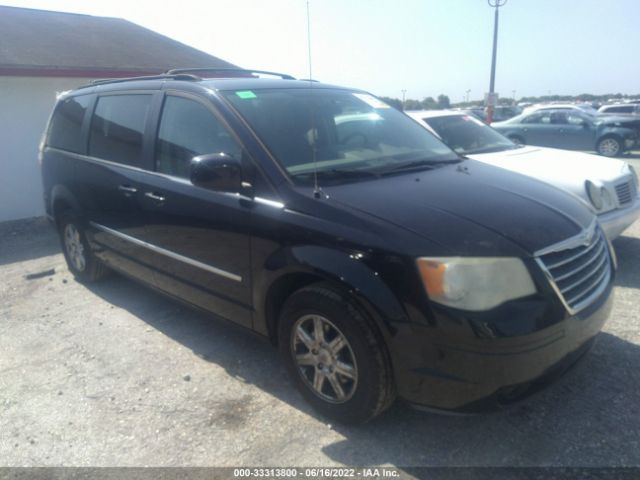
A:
[429,103]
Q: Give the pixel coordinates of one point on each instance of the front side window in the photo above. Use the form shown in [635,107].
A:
[467,135]
[538,118]
[65,131]
[339,133]
[576,118]
[187,129]
[117,128]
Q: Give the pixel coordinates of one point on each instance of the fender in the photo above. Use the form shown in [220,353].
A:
[310,263]
[62,193]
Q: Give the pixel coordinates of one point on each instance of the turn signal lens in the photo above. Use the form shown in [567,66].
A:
[432,276]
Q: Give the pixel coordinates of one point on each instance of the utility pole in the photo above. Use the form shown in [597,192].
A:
[496,4]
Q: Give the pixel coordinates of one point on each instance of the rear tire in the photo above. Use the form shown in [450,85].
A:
[353,382]
[81,261]
[609,146]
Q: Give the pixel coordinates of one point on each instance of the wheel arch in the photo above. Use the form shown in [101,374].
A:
[312,264]
[62,200]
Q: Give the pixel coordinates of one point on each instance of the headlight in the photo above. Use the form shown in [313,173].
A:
[634,174]
[594,194]
[475,283]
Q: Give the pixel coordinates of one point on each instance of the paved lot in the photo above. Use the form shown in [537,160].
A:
[116,374]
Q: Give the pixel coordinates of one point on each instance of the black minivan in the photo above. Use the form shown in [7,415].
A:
[380,262]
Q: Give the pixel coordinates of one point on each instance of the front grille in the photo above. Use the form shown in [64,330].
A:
[579,268]
[625,192]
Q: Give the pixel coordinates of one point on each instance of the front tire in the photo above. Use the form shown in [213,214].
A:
[334,355]
[81,261]
[609,146]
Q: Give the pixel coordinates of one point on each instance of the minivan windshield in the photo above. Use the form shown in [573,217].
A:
[467,135]
[343,134]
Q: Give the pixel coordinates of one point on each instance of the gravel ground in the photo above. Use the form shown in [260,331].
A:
[116,374]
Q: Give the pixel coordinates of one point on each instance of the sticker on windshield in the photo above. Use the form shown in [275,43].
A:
[371,100]
[246,94]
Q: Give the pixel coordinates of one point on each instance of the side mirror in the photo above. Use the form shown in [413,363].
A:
[216,171]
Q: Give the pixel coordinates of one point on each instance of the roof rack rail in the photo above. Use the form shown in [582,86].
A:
[163,76]
[176,71]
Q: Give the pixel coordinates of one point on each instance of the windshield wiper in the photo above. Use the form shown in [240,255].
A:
[338,173]
[419,164]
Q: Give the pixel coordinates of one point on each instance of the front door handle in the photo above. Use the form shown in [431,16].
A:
[127,189]
[154,196]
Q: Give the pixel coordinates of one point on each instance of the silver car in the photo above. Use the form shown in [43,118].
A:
[608,185]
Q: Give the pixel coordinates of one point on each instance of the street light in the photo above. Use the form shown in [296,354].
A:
[496,4]
[467,97]
[403,94]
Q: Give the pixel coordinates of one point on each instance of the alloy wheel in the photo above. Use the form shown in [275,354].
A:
[609,147]
[324,358]
[75,248]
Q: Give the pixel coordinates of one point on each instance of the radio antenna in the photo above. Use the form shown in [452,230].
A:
[314,134]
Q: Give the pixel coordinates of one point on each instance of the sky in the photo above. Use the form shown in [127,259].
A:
[426,47]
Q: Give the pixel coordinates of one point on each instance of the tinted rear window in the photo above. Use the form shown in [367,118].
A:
[117,128]
[66,124]
[625,109]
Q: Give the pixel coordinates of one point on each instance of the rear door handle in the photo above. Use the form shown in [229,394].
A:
[127,189]
[154,196]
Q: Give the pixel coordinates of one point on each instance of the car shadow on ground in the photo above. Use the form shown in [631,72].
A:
[590,417]
[27,239]
[628,274]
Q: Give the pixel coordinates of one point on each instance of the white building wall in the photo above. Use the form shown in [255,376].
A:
[25,106]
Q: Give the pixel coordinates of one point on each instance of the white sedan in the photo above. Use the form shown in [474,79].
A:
[609,186]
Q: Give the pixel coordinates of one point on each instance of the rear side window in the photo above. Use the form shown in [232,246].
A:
[623,109]
[117,128]
[66,124]
[188,128]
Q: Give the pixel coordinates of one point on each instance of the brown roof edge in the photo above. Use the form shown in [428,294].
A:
[74,72]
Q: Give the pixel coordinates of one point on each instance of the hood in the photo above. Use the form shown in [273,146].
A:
[615,121]
[562,168]
[471,208]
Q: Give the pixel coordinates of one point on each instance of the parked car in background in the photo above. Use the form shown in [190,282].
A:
[571,130]
[502,112]
[381,262]
[580,107]
[609,185]
[620,109]
[479,112]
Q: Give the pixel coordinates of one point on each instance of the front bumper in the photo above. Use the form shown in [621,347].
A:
[617,221]
[460,373]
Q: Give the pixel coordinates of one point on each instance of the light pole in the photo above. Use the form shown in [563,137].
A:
[403,94]
[496,4]
[467,97]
